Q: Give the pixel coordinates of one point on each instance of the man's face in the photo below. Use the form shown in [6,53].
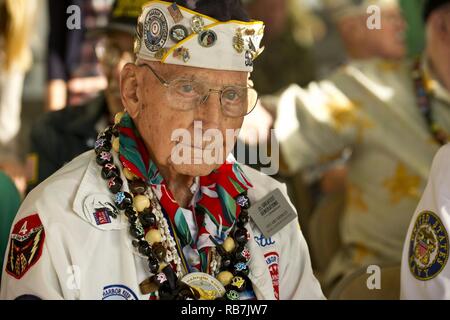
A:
[113,52]
[160,124]
[438,28]
[389,41]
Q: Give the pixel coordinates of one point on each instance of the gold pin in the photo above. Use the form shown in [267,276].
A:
[137,45]
[238,41]
[249,32]
[197,24]
[160,53]
[182,53]
[255,52]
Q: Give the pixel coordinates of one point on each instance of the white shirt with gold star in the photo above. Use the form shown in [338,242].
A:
[371,107]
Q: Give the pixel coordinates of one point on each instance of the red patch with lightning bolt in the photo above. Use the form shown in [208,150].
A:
[25,249]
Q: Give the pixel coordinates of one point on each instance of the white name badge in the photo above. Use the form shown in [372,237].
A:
[272,213]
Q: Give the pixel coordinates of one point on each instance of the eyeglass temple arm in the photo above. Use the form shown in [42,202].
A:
[163,82]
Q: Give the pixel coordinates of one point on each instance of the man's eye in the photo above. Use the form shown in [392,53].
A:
[187,88]
[232,96]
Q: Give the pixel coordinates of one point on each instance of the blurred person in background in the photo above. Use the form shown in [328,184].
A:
[347,33]
[16,21]
[394,116]
[362,42]
[73,71]
[287,56]
[59,136]
[358,43]
[291,30]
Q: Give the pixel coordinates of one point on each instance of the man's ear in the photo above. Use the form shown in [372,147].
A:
[129,89]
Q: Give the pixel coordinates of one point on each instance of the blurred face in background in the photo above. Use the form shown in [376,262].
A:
[114,52]
[438,44]
[387,42]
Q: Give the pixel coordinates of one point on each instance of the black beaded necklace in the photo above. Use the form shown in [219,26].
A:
[424,103]
[233,259]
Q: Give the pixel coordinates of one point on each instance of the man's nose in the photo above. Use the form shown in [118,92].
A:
[209,111]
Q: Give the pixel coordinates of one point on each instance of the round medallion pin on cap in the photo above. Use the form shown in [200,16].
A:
[207,38]
[156,30]
[178,32]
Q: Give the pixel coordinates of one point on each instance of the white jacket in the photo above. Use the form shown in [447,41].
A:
[425,270]
[86,258]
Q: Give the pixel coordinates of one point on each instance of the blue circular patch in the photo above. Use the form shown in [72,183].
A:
[118,292]
[428,246]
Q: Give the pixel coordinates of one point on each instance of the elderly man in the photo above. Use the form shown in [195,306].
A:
[425,271]
[394,117]
[133,219]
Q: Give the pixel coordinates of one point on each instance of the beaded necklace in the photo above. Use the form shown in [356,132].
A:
[154,237]
[423,100]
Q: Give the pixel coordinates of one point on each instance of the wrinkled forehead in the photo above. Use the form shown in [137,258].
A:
[171,72]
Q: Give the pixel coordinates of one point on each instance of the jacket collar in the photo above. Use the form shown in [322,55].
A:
[93,199]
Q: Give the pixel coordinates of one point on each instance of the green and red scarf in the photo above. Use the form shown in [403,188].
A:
[213,211]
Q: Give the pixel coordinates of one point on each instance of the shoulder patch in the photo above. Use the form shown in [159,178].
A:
[428,247]
[26,244]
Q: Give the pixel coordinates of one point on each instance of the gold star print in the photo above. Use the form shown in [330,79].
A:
[355,198]
[361,253]
[388,66]
[346,114]
[402,184]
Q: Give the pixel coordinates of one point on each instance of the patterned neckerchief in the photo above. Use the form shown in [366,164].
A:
[212,212]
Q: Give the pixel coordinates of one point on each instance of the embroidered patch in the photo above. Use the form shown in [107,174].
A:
[101,216]
[27,241]
[272,259]
[118,292]
[99,211]
[428,247]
